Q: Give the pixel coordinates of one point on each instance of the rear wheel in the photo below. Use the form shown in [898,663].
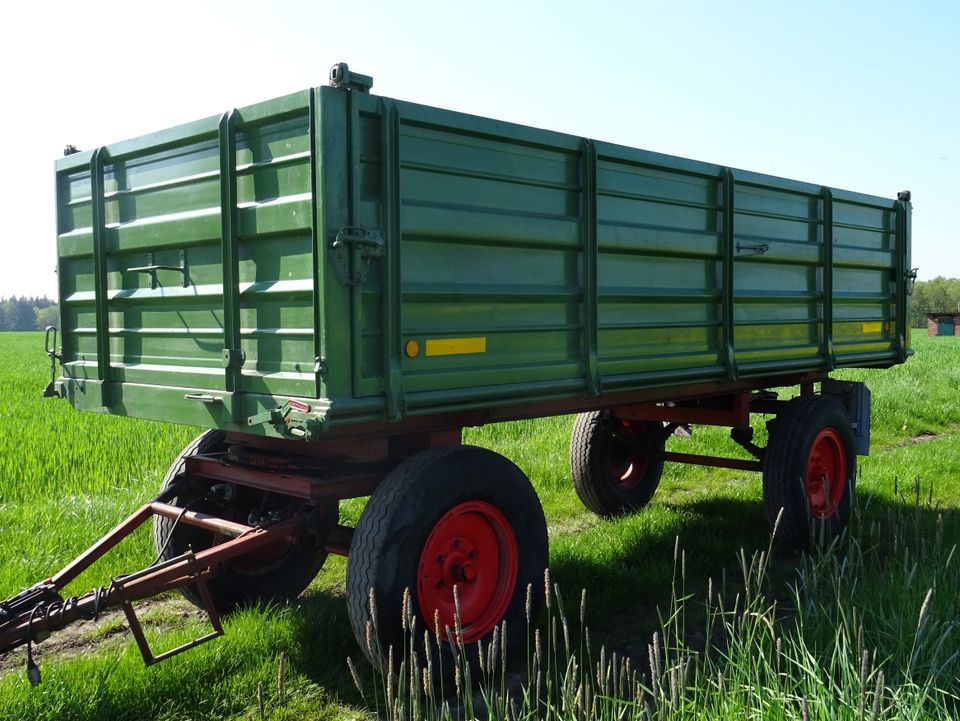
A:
[613,463]
[809,471]
[460,517]
[271,573]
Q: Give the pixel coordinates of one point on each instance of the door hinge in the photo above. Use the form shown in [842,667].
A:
[234,357]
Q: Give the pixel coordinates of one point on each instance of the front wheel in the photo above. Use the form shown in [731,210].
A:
[809,471]
[457,517]
[272,573]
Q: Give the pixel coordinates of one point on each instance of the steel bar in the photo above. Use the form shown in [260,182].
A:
[202,520]
[101,547]
[714,461]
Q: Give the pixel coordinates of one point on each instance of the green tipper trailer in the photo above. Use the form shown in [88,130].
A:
[335,284]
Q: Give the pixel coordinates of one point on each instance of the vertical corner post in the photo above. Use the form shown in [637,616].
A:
[229,256]
[590,301]
[99,228]
[826,248]
[902,271]
[727,182]
[390,288]
[317,244]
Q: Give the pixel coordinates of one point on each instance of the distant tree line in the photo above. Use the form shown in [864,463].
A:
[940,295]
[27,313]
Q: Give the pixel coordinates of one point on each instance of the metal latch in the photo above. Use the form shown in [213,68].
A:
[911,278]
[278,418]
[370,242]
[355,240]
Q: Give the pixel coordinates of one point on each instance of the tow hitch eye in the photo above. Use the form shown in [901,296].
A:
[51,391]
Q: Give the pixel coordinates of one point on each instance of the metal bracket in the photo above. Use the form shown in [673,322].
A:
[359,242]
[51,391]
[342,77]
[276,416]
[854,396]
[136,629]
[152,269]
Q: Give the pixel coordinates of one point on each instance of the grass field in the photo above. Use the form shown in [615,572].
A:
[66,477]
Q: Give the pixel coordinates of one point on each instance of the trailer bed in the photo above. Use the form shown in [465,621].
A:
[372,259]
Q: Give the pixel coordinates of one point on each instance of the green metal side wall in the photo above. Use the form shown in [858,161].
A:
[163,195]
[517,265]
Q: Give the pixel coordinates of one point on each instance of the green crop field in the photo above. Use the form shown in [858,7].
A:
[868,630]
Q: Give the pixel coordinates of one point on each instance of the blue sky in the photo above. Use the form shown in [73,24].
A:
[857,95]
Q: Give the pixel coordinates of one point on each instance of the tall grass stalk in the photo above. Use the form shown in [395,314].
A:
[816,650]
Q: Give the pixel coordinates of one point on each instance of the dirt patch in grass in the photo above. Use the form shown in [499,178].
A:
[925,437]
[108,632]
[572,525]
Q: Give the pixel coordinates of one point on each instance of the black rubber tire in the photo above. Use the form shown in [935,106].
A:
[395,525]
[594,451]
[792,435]
[240,582]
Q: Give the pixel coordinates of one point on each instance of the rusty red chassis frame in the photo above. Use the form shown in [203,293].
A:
[350,463]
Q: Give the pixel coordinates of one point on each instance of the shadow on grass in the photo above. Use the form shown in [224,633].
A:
[326,640]
[628,593]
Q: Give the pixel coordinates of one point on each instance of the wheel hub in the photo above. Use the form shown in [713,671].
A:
[628,455]
[471,549]
[457,566]
[826,473]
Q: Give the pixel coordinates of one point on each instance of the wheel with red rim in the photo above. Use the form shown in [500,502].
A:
[613,462]
[449,525]
[809,471]
[473,549]
[276,572]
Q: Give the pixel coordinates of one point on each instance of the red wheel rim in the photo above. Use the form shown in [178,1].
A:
[626,467]
[826,473]
[471,547]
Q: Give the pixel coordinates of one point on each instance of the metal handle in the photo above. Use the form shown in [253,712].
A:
[47,347]
[758,249]
[203,398]
[50,391]
[152,269]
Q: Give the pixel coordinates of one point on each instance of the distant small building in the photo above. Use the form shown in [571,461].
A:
[943,323]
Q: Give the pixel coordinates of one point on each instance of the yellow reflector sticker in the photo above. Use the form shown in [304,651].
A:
[872,327]
[456,346]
